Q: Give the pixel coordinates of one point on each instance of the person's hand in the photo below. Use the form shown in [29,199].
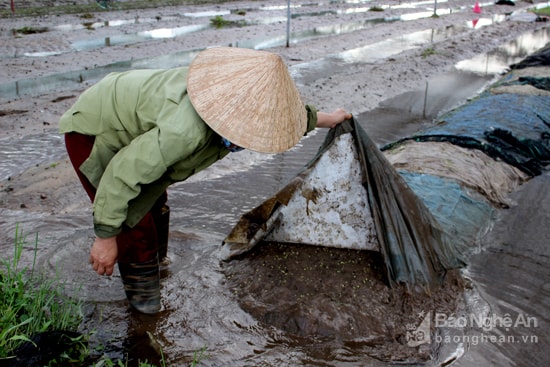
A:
[103,255]
[330,120]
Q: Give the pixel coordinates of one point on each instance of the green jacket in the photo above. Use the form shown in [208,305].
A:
[147,136]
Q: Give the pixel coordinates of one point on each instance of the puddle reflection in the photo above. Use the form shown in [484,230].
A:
[126,39]
[15,158]
[499,60]
[40,85]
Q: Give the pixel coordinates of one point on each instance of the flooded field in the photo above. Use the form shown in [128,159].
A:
[318,307]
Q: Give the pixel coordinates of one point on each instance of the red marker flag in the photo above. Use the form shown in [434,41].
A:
[477,8]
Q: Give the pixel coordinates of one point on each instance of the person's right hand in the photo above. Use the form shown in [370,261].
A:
[330,120]
[103,255]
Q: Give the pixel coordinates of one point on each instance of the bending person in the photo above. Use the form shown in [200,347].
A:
[134,133]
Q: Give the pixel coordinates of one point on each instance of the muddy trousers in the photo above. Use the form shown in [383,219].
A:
[141,247]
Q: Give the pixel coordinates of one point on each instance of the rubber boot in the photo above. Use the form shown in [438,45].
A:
[142,285]
[162,223]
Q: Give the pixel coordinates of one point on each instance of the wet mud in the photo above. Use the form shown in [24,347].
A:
[335,303]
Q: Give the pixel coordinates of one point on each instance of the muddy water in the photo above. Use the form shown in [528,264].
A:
[203,298]
[208,304]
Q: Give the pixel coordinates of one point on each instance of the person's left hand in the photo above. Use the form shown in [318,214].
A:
[330,120]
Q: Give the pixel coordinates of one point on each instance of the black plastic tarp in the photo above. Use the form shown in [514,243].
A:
[415,249]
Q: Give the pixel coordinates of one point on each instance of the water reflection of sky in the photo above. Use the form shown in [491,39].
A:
[81,45]
[109,23]
[492,63]
[507,54]
[364,54]
[224,12]
[166,32]
[172,32]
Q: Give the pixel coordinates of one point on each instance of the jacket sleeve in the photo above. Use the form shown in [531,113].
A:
[311,118]
[136,164]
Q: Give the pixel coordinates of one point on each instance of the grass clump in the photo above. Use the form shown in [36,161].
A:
[428,52]
[31,30]
[542,11]
[32,304]
[39,322]
[218,21]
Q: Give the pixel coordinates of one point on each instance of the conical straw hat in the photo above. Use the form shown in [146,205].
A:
[247,97]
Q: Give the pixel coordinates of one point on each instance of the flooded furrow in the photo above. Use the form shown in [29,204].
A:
[254,16]
[436,95]
[36,86]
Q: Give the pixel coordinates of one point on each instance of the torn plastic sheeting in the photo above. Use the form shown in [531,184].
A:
[522,115]
[415,249]
[533,71]
[539,58]
[471,168]
[510,127]
[539,83]
[463,216]
[513,127]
